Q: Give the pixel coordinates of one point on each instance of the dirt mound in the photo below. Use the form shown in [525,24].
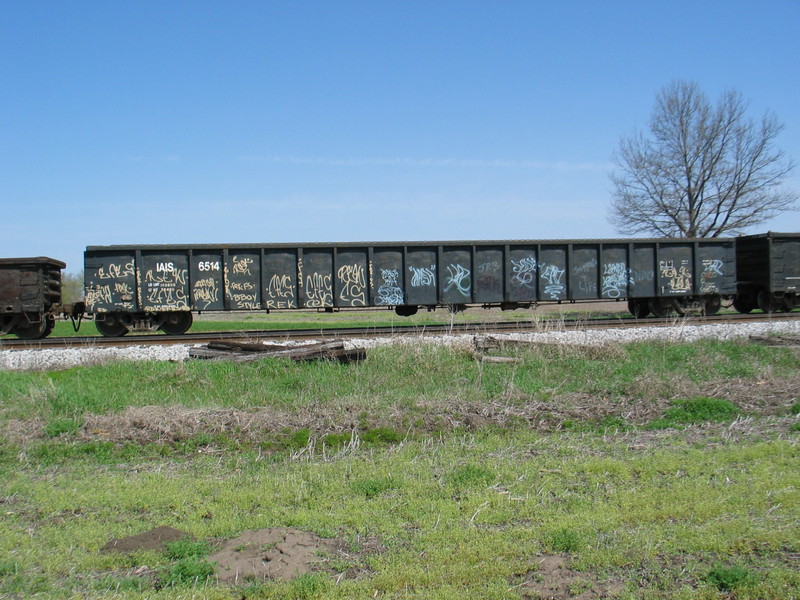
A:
[554,580]
[274,553]
[155,539]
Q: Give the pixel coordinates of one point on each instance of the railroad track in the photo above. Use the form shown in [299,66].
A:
[546,325]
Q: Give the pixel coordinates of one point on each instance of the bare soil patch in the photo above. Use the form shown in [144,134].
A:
[279,553]
[274,553]
[155,539]
[553,579]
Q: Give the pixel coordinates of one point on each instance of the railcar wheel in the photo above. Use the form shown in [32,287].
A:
[177,323]
[110,326]
[662,307]
[34,330]
[712,305]
[639,308]
[406,310]
[48,328]
[769,303]
[745,304]
[6,324]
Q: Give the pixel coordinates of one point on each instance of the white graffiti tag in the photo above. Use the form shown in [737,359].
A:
[616,277]
[552,275]
[389,292]
[423,276]
[523,272]
[458,277]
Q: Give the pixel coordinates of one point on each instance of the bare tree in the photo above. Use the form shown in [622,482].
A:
[703,171]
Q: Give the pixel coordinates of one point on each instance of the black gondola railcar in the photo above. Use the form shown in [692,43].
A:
[158,287]
[768,272]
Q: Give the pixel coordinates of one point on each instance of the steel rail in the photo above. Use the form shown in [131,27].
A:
[528,326]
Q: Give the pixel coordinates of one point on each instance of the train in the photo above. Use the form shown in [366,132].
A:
[159,287]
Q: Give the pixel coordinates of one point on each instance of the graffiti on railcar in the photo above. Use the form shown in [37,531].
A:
[97,295]
[353,281]
[458,278]
[389,292]
[205,292]
[488,279]
[165,286]
[586,267]
[678,278]
[241,265]
[712,270]
[423,276]
[523,272]
[553,278]
[243,295]
[584,277]
[280,292]
[318,290]
[115,271]
[616,277]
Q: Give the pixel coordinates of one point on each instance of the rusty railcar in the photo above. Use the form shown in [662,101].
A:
[768,272]
[30,296]
[158,287]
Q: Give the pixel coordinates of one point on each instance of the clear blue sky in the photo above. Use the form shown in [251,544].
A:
[223,122]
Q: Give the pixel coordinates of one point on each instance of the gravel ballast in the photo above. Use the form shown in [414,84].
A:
[53,360]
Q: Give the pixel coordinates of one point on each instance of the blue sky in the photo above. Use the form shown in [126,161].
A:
[227,122]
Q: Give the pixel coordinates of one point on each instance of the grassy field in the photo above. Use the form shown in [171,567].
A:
[647,471]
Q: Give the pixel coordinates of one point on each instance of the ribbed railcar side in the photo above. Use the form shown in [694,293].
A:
[141,286]
[768,272]
[30,292]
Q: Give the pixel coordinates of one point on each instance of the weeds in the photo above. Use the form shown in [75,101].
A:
[187,548]
[727,578]
[696,410]
[189,571]
[565,540]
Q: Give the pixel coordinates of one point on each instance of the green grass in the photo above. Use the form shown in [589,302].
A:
[406,461]
[439,522]
[390,377]
[696,410]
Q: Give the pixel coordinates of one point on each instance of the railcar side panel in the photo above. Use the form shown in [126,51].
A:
[316,278]
[616,275]
[521,267]
[280,283]
[110,281]
[489,275]
[164,281]
[785,261]
[643,271]
[206,278]
[552,270]
[455,275]
[351,282]
[716,266]
[243,279]
[421,273]
[388,277]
